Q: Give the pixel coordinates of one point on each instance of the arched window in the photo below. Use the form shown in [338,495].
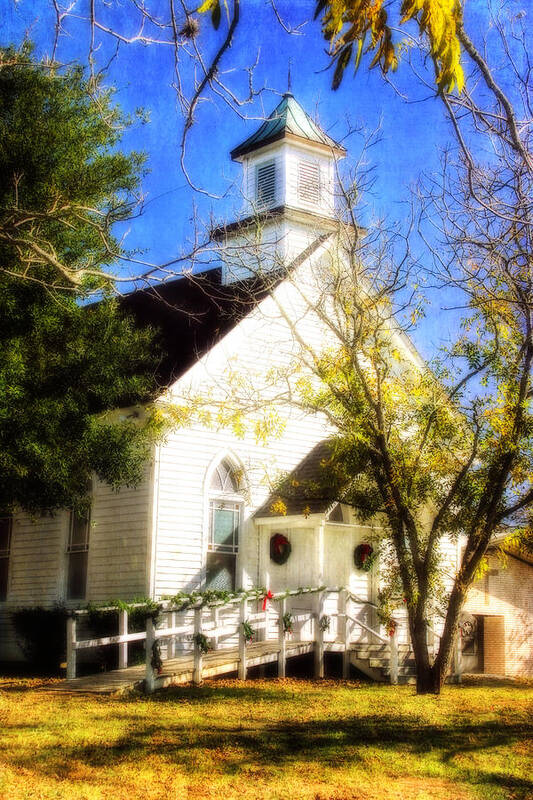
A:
[225,512]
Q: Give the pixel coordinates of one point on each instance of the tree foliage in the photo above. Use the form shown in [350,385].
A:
[63,364]
[65,184]
[356,27]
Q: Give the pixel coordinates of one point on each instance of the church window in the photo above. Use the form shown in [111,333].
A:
[225,512]
[78,554]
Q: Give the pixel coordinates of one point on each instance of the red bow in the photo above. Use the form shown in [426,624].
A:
[268,596]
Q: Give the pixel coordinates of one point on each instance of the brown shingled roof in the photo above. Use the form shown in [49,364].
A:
[191,314]
[307,489]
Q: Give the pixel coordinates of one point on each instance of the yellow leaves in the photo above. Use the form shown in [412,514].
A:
[482,569]
[207,6]
[278,507]
[346,23]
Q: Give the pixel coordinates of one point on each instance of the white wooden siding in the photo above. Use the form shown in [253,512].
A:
[286,156]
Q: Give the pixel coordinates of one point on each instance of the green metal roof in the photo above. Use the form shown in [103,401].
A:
[288,118]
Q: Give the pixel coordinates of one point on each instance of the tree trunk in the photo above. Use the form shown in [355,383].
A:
[426,682]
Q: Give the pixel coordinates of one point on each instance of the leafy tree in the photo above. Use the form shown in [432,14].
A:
[64,364]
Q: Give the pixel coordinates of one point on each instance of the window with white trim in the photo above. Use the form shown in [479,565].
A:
[309,182]
[6,524]
[78,554]
[225,512]
[266,183]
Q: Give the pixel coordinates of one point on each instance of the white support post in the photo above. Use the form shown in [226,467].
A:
[216,623]
[71,647]
[458,658]
[198,655]
[282,656]
[344,632]
[150,641]
[319,637]
[123,646]
[243,616]
[172,643]
[394,657]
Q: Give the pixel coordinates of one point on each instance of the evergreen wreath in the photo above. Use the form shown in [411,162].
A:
[156,661]
[201,642]
[364,556]
[280,548]
[288,622]
[248,632]
[324,623]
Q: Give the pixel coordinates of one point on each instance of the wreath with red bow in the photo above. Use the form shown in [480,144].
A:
[364,556]
[280,548]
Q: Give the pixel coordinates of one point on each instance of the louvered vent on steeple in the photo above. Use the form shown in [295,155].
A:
[266,183]
[309,182]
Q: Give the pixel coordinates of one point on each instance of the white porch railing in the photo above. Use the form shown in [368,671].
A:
[182,631]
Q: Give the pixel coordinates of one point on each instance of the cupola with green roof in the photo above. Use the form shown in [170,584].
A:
[289,162]
[289,190]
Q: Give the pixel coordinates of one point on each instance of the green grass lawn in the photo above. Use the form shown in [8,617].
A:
[267,739]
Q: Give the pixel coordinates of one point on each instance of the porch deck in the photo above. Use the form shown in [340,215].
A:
[181,670]
[329,621]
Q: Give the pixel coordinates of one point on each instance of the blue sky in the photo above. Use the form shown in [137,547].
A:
[412,133]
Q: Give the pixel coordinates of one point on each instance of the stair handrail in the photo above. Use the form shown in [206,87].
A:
[368,629]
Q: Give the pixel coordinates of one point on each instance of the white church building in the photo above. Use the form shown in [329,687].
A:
[205,515]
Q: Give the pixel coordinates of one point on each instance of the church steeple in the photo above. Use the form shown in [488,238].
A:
[289,162]
[288,186]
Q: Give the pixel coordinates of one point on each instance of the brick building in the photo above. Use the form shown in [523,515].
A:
[498,635]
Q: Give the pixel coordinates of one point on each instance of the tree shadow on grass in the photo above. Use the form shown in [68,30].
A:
[230,746]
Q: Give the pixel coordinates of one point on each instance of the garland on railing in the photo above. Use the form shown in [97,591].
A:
[140,605]
[184,600]
[210,597]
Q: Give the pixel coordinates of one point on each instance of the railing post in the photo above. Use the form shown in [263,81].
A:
[344,632]
[394,656]
[319,637]
[123,646]
[216,622]
[243,615]
[71,646]
[150,641]
[458,658]
[282,656]
[198,655]
[172,642]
